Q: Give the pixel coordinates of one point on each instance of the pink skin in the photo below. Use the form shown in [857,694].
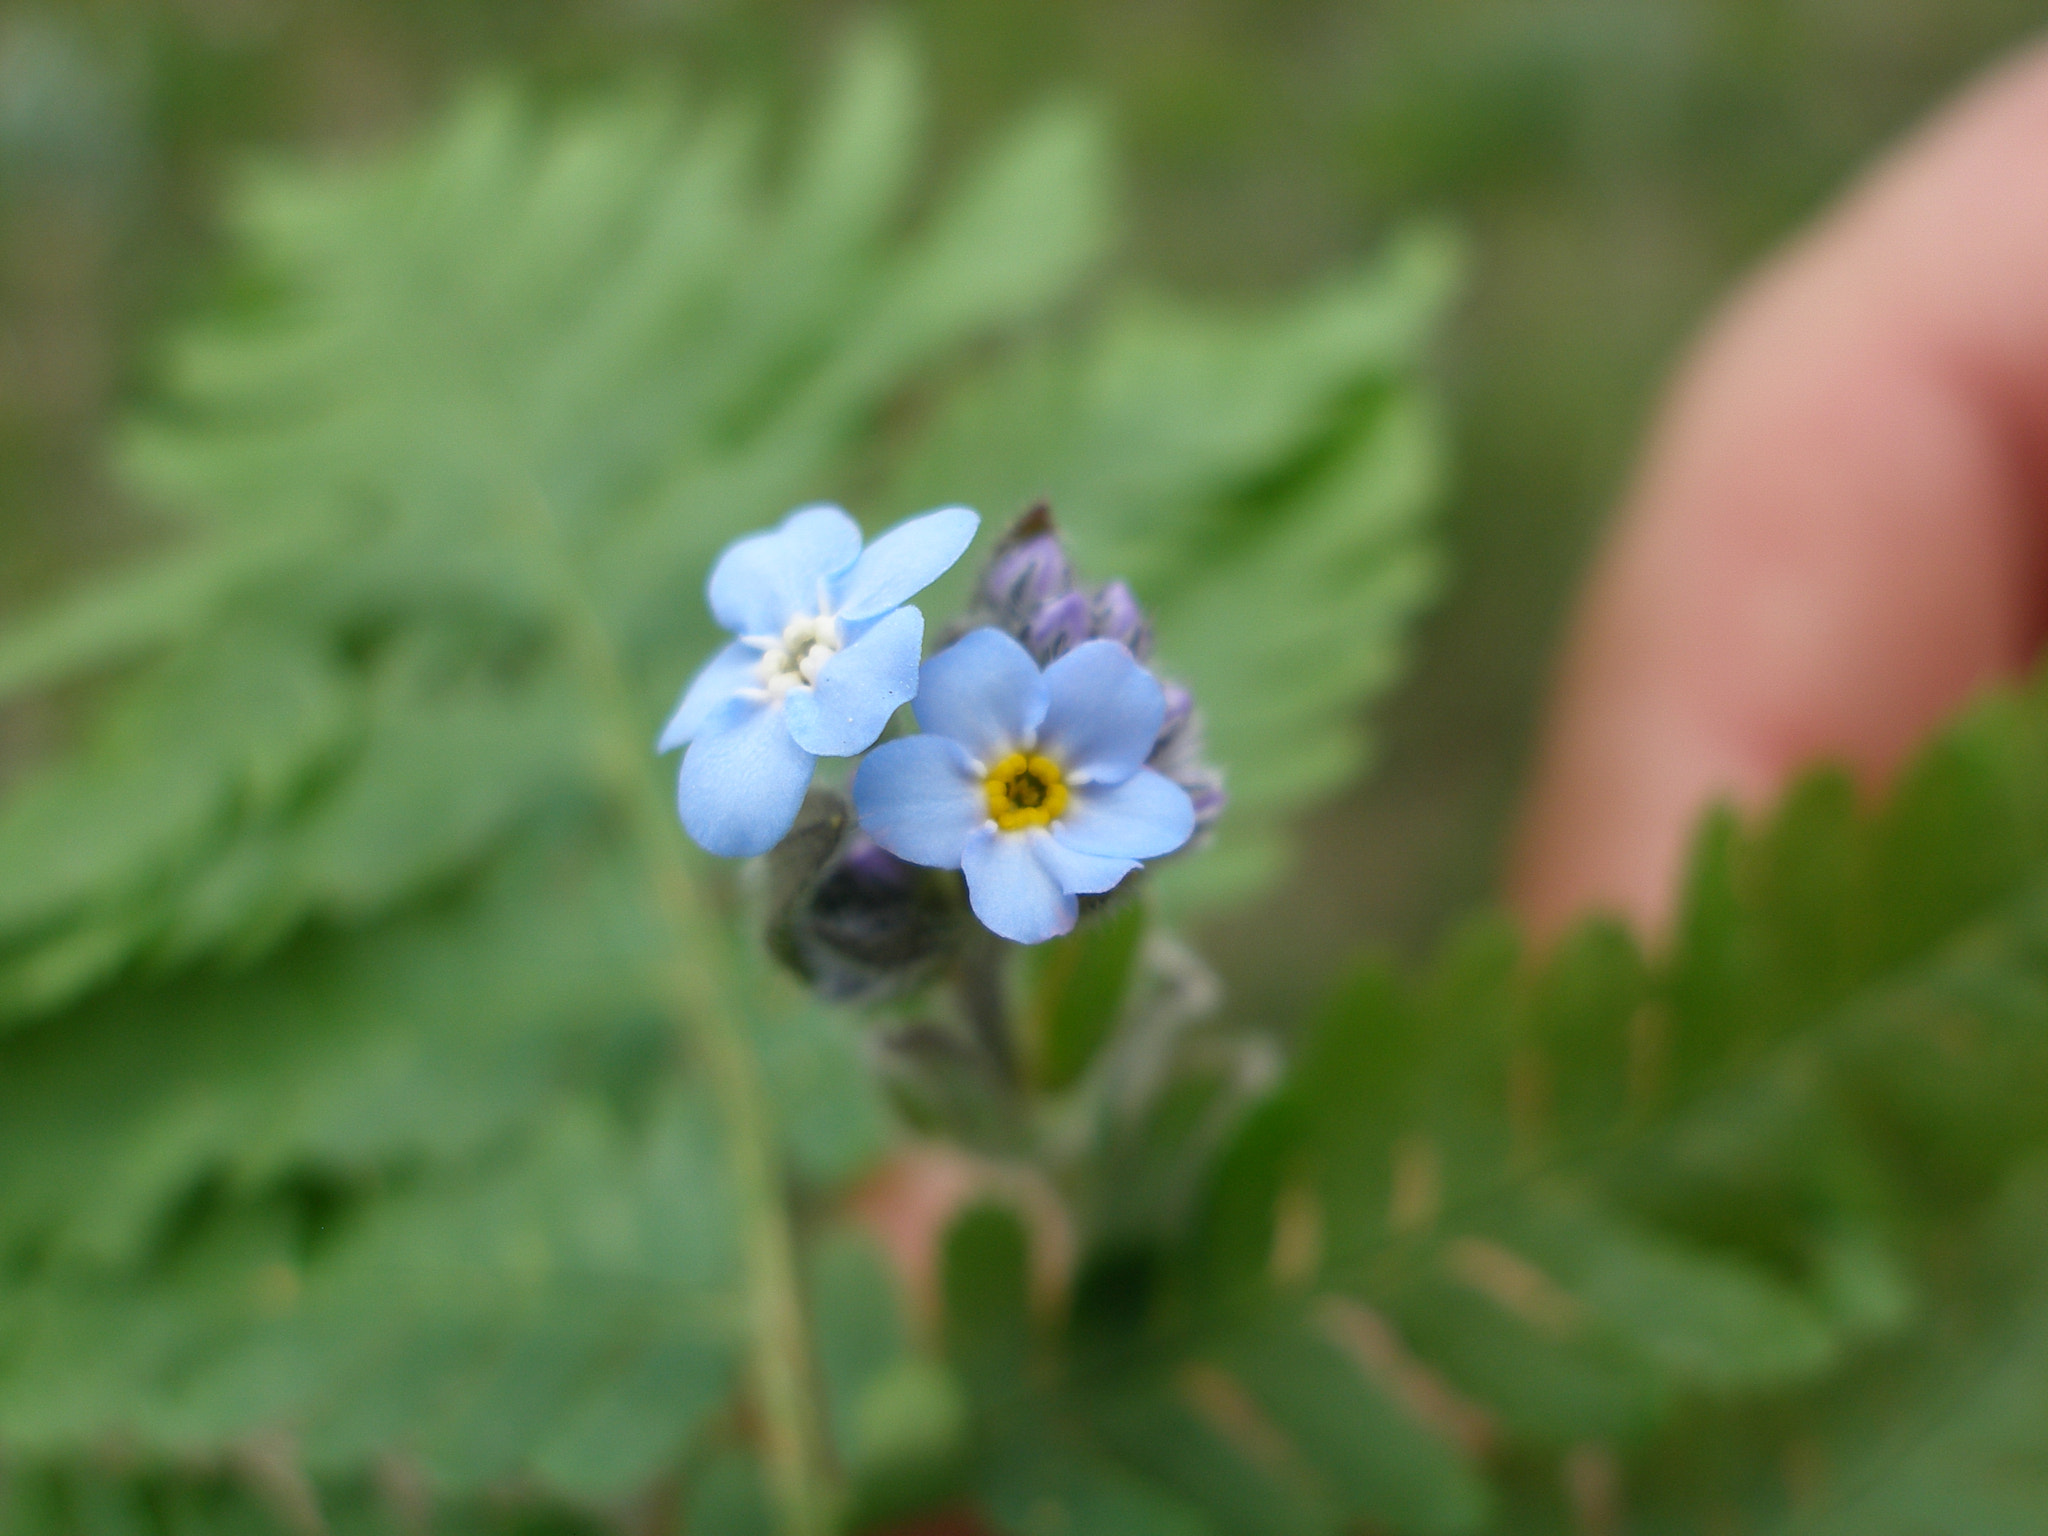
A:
[1837,534]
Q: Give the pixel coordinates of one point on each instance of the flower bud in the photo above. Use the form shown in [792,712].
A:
[1116,616]
[851,918]
[1205,788]
[1179,743]
[1023,577]
[1058,627]
[1180,708]
[1178,753]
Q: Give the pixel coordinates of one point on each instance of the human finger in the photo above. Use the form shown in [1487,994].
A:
[1836,534]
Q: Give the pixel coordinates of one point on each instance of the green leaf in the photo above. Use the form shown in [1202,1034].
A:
[726,1498]
[1203,1441]
[986,1271]
[1964,1456]
[483,1320]
[1233,1242]
[160,602]
[1077,992]
[1707,1320]
[1381,1465]
[1040,1490]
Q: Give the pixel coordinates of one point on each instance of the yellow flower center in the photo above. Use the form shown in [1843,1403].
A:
[1025,792]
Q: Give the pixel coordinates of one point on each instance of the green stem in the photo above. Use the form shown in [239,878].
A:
[800,1476]
[982,982]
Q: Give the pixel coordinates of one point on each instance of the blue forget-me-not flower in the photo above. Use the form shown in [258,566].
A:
[1032,783]
[1029,592]
[826,653]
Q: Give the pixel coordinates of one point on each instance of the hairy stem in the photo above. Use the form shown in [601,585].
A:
[800,1474]
[982,980]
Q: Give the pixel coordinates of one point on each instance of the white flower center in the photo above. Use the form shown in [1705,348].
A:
[794,658]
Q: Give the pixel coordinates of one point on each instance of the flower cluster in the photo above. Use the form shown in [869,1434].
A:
[1051,765]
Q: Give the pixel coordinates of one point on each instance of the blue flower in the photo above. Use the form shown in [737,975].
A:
[1031,783]
[1028,592]
[825,655]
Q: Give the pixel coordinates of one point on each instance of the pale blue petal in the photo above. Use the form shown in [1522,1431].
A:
[984,691]
[860,688]
[920,798]
[1103,713]
[1085,874]
[1142,818]
[742,780]
[904,561]
[723,675]
[765,579]
[1011,891]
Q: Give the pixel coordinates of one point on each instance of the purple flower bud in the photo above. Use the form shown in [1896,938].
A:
[1024,577]
[1178,749]
[1178,753]
[1180,708]
[1205,789]
[1117,616]
[1058,627]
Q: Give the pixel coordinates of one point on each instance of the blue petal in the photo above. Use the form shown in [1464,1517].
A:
[742,780]
[904,561]
[1085,874]
[764,580]
[1103,713]
[920,798]
[1145,816]
[723,675]
[1012,891]
[984,691]
[860,688]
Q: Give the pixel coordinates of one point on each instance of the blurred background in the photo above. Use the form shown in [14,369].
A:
[1616,164]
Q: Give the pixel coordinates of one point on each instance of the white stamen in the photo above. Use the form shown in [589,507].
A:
[794,658]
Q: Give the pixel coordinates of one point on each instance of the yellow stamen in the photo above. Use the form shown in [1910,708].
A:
[1025,791]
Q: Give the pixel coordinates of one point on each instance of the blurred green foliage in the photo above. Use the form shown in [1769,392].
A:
[363,1164]
[379,1070]
[1745,1238]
